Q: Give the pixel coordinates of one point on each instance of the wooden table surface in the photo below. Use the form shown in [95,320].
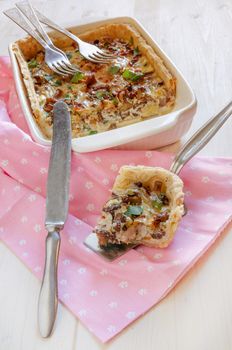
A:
[197,314]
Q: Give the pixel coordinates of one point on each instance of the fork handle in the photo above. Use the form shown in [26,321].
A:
[200,138]
[15,15]
[26,8]
[48,298]
[55,26]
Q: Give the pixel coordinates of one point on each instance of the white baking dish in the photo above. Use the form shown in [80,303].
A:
[148,134]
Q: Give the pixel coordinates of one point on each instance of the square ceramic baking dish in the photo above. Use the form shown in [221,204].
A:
[149,134]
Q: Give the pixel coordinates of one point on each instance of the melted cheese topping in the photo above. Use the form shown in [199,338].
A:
[102,96]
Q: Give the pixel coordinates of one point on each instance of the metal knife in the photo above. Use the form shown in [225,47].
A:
[56,212]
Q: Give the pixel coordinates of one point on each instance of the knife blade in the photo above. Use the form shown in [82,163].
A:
[59,168]
[57,200]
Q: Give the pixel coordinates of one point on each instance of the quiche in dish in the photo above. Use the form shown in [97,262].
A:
[134,86]
[145,207]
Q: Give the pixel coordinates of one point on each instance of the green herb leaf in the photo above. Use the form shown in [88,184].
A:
[32,63]
[78,76]
[92,132]
[101,94]
[69,55]
[131,42]
[136,51]
[132,76]
[86,127]
[157,204]
[67,96]
[113,69]
[48,77]
[57,83]
[115,101]
[134,210]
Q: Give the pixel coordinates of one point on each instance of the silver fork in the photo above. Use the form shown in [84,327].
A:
[26,8]
[54,59]
[89,51]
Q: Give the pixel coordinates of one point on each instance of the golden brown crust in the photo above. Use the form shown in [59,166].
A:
[29,83]
[27,48]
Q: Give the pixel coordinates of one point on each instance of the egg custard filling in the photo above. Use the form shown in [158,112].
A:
[134,86]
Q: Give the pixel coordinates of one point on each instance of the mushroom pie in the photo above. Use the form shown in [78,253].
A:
[136,85]
[145,207]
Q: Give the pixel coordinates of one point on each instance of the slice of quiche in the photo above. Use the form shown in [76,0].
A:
[145,207]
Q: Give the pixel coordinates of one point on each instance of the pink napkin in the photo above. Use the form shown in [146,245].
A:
[105,296]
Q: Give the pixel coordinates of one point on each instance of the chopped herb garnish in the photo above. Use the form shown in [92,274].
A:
[32,63]
[134,210]
[131,42]
[78,76]
[101,94]
[136,51]
[92,132]
[69,55]
[113,69]
[57,83]
[70,87]
[67,96]
[157,204]
[115,101]
[86,127]
[48,77]
[132,76]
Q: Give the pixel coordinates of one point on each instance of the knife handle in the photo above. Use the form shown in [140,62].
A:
[48,298]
